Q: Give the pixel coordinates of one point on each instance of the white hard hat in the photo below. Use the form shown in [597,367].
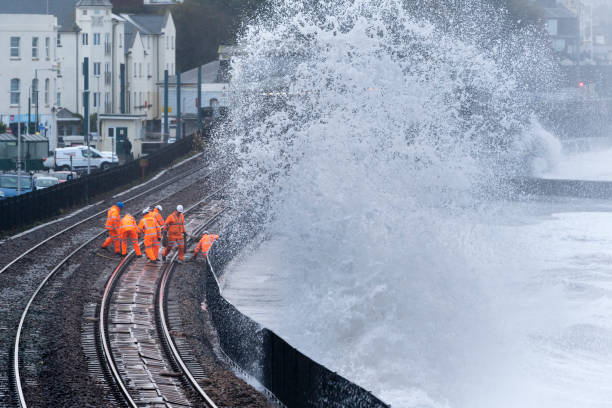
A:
[159,207]
[146,210]
[179,208]
[206,233]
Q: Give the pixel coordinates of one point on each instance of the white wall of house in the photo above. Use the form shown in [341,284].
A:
[67,59]
[28,43]
[95,42]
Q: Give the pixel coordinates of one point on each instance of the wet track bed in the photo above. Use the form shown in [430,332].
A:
[55,367]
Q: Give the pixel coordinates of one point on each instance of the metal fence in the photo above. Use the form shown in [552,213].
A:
[38,205]
[295,379]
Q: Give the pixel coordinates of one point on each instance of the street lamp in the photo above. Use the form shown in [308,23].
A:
[37,91]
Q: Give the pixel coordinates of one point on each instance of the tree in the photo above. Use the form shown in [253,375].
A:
[2,128]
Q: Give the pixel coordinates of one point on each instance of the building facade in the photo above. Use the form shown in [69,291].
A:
[48,43]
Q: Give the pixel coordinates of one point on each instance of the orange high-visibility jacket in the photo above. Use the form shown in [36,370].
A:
[149,227]
[205,243]
[113,220]
[175,223]
[128,223]
[158,217]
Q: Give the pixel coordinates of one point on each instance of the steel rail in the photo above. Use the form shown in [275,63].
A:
[161,309]
[35,247]
[110,285]
[17,373]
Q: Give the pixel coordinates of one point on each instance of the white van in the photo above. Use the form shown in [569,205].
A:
[70,158]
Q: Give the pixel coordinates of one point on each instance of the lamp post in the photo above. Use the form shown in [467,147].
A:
[37,91]
[19,145]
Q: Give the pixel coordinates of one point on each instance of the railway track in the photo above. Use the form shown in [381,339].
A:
[11,383]
[140,353]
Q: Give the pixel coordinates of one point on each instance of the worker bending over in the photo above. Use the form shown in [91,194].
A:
[113,225]
[129,229]
[204,245]
[152,234]
[175,228]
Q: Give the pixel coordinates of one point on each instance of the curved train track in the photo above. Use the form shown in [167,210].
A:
[138,348]
[95,233]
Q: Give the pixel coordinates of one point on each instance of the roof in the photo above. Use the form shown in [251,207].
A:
[64,10]
[210,75]
[82,3]
[150,24]
[144,23]
[558,12]
[5,137]
[65,114]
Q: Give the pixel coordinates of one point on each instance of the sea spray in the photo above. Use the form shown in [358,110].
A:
[361,138]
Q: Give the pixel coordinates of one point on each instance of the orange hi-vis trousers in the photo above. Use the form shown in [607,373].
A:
[174,241]
[132,235]
[151,247]
[113,238]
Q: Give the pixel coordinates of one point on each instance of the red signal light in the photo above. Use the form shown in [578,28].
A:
[580,84]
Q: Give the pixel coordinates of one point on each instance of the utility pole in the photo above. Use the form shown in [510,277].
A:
[178,106]
[19,146]
[36,98]
[29,110]
[199,104]
[166,126]
[86,110]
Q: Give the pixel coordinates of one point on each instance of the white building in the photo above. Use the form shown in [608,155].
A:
[29,44]
[127,57]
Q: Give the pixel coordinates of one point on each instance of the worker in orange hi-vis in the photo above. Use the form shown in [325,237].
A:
[129,229]
[204,245]
[157,212]
[175,228]
[113,225]
[152,234]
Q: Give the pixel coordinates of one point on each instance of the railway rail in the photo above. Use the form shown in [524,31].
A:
[138,348]
[15,375]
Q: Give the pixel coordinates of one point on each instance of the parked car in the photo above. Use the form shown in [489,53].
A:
[70,158]
[44,181]
[8,184]
[64,176]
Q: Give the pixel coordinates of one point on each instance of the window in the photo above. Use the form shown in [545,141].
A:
[172,42]
[15,47]
[140,69]
[34,91]
[59,99]
[97,11]
[34,47]
[85,39]
[96,99]
[107,102]
[552,27]
[135,70]
[59,40]
[135,100]
[47,91]
[85,12]
[48,47]
[96,67]
[15,85]
[140,99]
[120,40]
[149,70]
[96,39]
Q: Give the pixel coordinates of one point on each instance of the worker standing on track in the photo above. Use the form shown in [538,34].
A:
[152,234]
[157,212]
[129,229]
[204,245]
[113,225]
[175,228]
